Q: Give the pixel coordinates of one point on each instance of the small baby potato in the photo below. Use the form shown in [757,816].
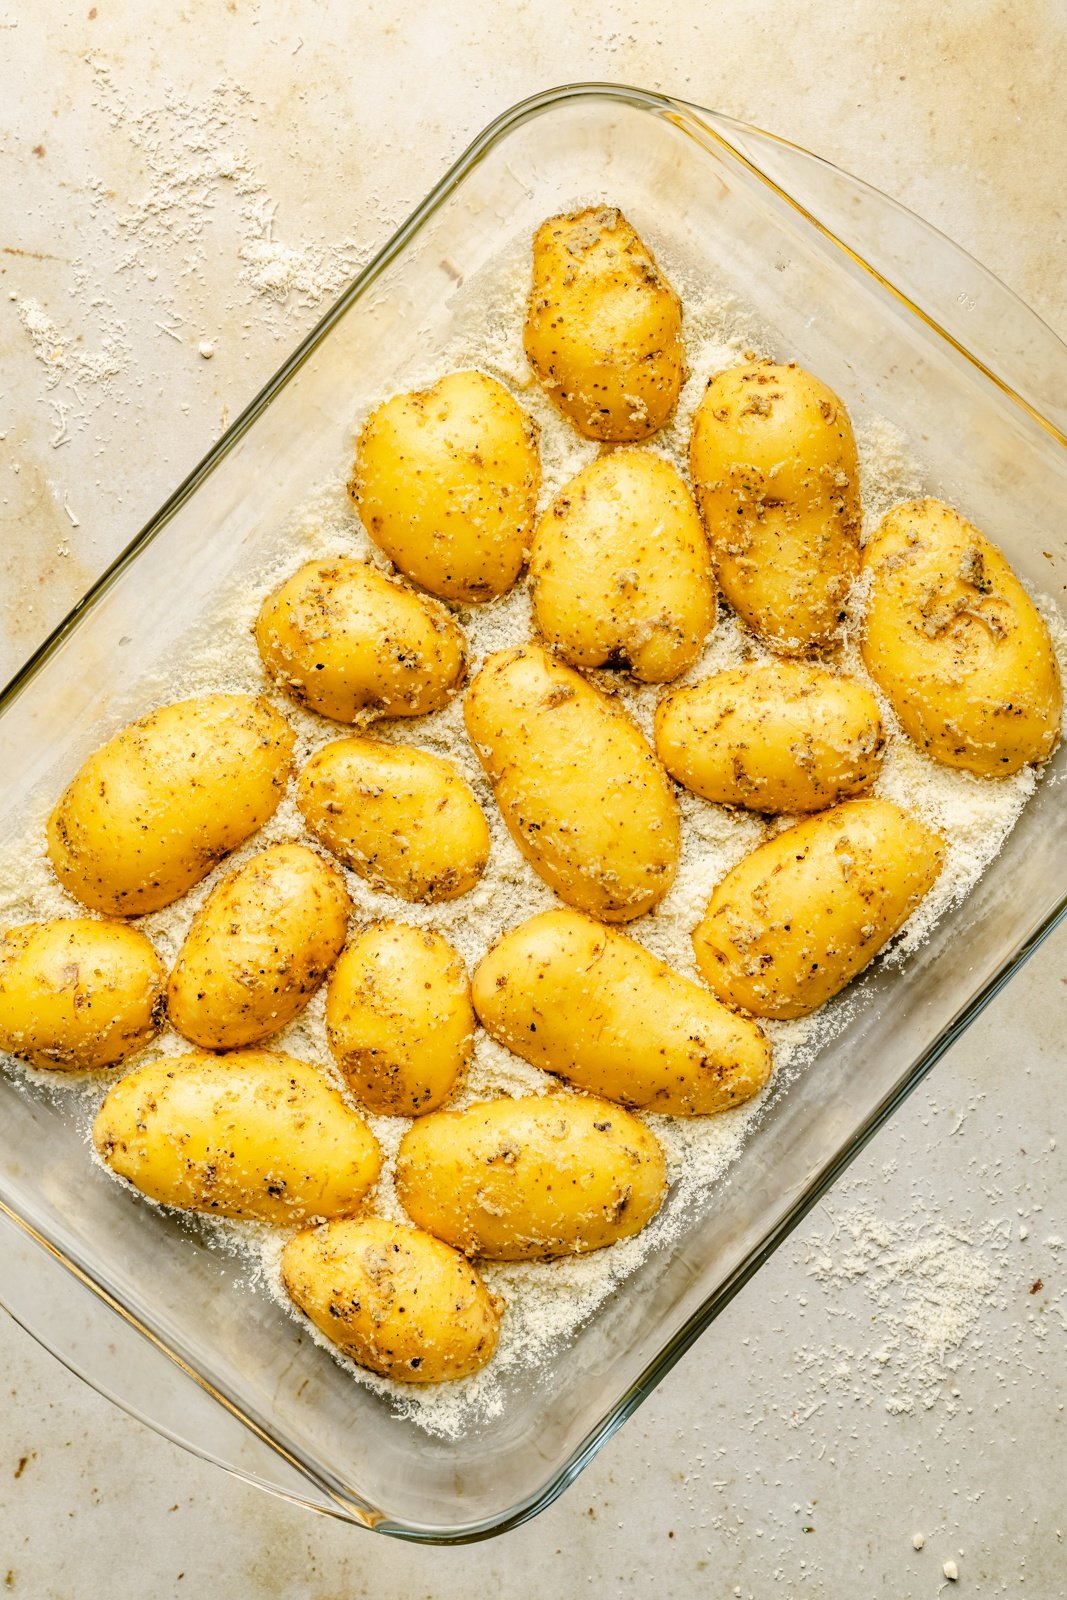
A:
[404,819]
[603,326]
[512,1180]
[77,993]
[957,645]
[590,1005]
[393,1299]
[351,643]
[620,569]
[152,811]
[581,793]
[796,920]
[773,464]
[256,1135]
[258,948]
[783,736]
[399,1018]
[445,482]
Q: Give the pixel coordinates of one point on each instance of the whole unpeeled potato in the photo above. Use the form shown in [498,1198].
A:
[773,463]
[445,482]
[620,569]
[603,326]
[957,645]
[152,811]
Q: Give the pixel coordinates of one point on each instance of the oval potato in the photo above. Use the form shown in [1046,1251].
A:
[351,643]
[511,1180]
[404,819]
[77,993]
[581,793]
[256,1135]
[597,1009]
[446,481]
[957,645]
[799,917]
[258,948]
[399,1018]
[153,810]
[393,1299]
[773,463]
[781,736]
[603,326]
[620,569]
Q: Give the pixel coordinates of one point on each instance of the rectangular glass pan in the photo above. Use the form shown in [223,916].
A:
[905,326]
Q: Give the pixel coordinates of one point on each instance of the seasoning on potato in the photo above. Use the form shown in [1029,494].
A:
[77,993]
[781,736]
[445,482]
[581,792]
[799,917]
[399,1018]
[620,570]
[258,948]
[597,1009]
[603,326]
[352,643]
[405,820]
[256,1134]
[512,1180]
[773,463]
[393,1299]
[151,812]
[957,645]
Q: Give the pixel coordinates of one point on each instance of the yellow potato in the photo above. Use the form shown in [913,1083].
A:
[512,1180]
[783,736]
[351,643]
[445,482]
[151,812]
[256,1134]
[796,920]
[258,948]
[399,1018]
[393,1299]
[603,326]
[582,794]
[590,1005]
[78,993]
[773,464]
[957,645]
[620,569]
[404,819]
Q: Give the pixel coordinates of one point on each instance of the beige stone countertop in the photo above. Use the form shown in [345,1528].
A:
[143,301]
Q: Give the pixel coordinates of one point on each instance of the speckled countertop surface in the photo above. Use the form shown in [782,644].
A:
[811,1434]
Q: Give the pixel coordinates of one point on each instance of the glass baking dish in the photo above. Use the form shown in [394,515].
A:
[884,309]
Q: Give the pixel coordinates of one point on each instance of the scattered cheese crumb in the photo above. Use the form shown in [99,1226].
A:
[206,349]
[951,1571]
[917,1541]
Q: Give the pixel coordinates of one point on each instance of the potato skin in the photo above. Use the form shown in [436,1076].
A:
[957,645]
[77,993]
[782,736]
[258,948]
[404,819]
[620,569]
[399,1018]
[603,326]
[773,463]
[580,791]
[594,1007]
[352,643]
[393,1299]
[512,1180]
[256,1134]
[799,917]
[445,482]
[152,811]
